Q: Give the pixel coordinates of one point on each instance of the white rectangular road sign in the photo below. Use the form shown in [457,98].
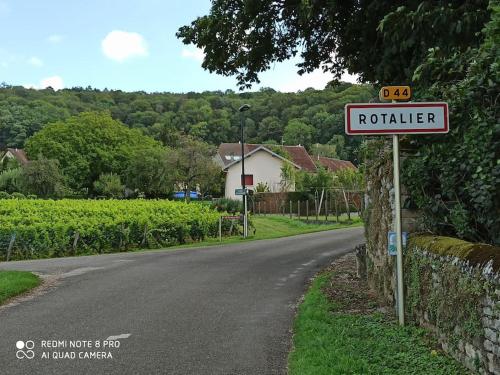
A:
[396,118]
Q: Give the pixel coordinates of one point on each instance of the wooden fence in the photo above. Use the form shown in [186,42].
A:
[326,205]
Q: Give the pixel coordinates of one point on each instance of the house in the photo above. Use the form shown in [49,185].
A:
[14,154]
[264,164]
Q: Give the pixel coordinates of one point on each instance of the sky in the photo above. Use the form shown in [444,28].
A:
[128,45]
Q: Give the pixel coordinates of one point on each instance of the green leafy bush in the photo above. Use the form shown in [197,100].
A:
[48,228]
[228,205]
[455,179]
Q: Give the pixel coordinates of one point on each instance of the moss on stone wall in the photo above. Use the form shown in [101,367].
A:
[475,253]
[448,291]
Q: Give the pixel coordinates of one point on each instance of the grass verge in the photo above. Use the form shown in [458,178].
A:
[328,340]
[13,283]
[276,226]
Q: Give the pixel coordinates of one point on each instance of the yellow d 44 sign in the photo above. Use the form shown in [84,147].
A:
[395,93]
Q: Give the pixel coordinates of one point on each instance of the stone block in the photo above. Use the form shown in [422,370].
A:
[470,350]
[490,335]
[488,345]
[488,311]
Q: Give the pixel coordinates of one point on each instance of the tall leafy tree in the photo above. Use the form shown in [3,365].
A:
[87,146]
[382,41]
[193,165]
[44,178]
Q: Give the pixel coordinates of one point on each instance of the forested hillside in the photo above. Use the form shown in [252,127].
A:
[307,117]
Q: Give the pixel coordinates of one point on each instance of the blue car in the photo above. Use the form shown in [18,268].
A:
[192,195]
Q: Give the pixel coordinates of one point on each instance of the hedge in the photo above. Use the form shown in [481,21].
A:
[48,228]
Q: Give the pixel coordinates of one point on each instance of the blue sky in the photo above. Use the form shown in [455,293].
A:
[116,44]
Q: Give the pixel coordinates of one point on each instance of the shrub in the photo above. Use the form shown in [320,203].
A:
[228,205]
[16,195]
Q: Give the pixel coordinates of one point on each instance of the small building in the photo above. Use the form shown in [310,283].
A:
[264,165]
[14,154]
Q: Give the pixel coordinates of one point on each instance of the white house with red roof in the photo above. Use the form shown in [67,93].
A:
[263,165]
[16,154]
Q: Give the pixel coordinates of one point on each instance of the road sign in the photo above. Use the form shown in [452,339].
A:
[231,217]
[240,191]
[395,93]
[391,242]
[396,118]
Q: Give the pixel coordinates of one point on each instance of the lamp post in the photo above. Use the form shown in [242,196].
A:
[243,108]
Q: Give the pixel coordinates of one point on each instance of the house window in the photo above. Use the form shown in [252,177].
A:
[248,180]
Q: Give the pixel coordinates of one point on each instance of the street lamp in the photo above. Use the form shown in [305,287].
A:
[243,108]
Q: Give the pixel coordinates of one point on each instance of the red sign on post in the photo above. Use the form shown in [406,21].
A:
[396,118]
[248,180]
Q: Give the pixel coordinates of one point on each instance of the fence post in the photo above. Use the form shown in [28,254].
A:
[283,207]
[77,237]
[316,208]
[11,245]
[336,208]
[298,209]
[326,206]
[307,210]
[290,209]
[220,228]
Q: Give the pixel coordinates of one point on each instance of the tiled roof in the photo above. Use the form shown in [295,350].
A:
[230,152]
[335,164]
[19,154]
[299,156]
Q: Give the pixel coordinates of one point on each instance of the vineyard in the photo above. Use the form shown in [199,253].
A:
[46,228]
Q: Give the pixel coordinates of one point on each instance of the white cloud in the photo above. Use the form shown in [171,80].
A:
[195,54]
[35,61]
[122,45]
[316,80]
[55,38]
[55,82]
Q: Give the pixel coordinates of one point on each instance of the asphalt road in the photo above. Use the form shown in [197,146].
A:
[215,310]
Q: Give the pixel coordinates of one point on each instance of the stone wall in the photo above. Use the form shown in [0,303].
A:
[457,300]
[452,292]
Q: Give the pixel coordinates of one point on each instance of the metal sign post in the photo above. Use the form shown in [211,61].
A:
[399,242]
[394,119]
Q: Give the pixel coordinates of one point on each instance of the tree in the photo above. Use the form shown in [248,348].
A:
[43,178]
[298,132]
[11,180]
[270,128]
[89,145]
[370,38]
[328,150]
[149,172]
[348,180]
[109,185]
[193,165]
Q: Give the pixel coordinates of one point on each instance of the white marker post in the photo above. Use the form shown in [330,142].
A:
[394,119]
[399,242]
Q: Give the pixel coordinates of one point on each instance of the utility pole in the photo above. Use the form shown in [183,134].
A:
[243,108]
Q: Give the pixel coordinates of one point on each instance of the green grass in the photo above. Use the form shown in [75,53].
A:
[328,343]
[274,226]
[13,283]
[282,226]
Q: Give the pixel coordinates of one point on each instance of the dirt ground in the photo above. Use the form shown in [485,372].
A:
[350,293]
